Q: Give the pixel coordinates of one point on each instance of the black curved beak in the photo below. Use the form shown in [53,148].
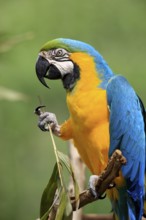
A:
[46,70]
[42,66]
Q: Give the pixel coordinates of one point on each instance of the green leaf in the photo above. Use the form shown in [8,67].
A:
[61,207]
[68,210]
[65,160]
[64,211]
[76,189]
[48,194]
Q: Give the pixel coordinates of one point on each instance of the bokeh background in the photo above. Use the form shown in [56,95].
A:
[117,29]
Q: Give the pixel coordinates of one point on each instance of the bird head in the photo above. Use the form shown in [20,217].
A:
[65,59]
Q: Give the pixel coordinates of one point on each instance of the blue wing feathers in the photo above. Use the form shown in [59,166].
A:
[127,133]
[126,122]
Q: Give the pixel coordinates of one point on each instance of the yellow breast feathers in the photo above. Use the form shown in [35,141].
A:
[88,125]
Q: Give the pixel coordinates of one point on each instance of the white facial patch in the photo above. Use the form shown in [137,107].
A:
[64,67]
[61,61]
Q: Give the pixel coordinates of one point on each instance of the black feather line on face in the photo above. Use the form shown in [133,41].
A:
[70,79]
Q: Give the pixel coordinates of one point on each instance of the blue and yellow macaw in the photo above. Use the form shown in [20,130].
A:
[105,114]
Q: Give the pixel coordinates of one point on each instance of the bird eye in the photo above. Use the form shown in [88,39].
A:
[59,53]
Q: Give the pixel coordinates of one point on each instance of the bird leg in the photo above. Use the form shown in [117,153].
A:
[95,182]
[47,118]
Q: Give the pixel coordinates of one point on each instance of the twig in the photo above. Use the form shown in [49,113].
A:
[105,179]
[98,217]
[56,155]
[79,172]
[11,42]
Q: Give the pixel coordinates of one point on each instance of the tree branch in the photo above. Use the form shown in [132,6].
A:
[105,179]
[103,183]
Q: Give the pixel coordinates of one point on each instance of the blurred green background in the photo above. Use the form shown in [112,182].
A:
[117,29]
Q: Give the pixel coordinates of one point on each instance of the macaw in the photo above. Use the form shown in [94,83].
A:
[105,114]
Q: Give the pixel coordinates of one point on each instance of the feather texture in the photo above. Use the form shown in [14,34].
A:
[105,115]
[127,134]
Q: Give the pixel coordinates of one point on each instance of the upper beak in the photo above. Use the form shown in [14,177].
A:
[42,66]
[46,69]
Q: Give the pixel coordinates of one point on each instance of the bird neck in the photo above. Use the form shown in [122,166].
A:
[89,77]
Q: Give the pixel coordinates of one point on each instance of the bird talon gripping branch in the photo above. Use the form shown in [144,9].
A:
[47,119]
[38,111]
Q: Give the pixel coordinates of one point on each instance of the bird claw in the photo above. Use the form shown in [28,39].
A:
[112,185]
[46,120]
[102,197]
[92,185]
